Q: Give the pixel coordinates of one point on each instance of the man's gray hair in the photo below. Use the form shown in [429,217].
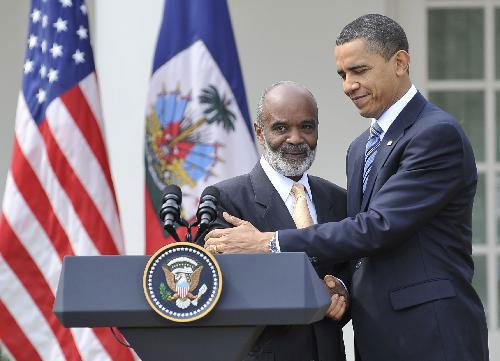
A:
[383,35]
[260,106]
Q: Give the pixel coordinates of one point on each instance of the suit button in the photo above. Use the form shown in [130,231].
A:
[358,264]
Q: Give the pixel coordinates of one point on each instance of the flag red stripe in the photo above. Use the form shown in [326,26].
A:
[112,346]
[82,114]
[14,338]
[35,284]
[154,231]
[155,238]
[83,204]
[35,196]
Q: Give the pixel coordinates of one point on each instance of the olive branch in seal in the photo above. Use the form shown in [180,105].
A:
[165,294]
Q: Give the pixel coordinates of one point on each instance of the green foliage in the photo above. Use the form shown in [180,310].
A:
[216,110]
[165,294]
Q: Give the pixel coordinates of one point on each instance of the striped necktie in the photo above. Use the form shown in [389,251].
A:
[371,151]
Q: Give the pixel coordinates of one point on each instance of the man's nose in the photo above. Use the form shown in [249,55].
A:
[295,138]
[350,85]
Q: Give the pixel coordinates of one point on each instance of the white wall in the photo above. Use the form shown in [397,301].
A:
[13,29]
[124,43]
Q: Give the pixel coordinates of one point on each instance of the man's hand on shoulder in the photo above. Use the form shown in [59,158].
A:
[339,297]
[243,238]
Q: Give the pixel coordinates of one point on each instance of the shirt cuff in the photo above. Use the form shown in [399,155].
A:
[277,242]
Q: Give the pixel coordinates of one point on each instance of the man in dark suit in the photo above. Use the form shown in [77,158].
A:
[411,184]
[287,129]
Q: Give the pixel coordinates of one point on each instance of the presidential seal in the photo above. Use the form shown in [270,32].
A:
[182,282]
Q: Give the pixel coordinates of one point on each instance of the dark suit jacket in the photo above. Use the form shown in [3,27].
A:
[252,197]
[411,293]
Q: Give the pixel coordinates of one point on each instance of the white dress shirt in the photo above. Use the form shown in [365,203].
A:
[283,186]
[390,115]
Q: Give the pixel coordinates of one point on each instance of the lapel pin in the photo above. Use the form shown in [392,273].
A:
[389,143]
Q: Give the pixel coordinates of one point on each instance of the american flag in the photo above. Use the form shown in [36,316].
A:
[59,198]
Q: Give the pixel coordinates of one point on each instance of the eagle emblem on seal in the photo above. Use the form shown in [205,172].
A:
[183,276]
[182,282]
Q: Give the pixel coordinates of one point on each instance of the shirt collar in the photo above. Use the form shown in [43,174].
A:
[282,184]
[388,117]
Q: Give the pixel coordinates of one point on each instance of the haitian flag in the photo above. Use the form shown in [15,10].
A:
[198,130]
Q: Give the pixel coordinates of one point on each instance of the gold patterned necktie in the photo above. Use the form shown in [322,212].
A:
[301,215]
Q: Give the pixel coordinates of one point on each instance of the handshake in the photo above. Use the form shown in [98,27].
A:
[339,297]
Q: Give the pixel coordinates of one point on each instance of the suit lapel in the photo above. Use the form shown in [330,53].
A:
[320,200]
[272,211]
[397,129]
[327,208]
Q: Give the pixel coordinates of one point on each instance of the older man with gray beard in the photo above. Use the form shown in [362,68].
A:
[279,194]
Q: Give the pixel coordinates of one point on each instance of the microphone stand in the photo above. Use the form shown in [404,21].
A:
[182,222]
[189,226]
[171,230]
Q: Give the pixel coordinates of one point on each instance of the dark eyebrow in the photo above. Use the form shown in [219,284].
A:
[278,122]
[356,67]
[353,67]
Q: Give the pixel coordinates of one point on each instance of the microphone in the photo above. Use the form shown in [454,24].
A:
[207,210]
[170,212]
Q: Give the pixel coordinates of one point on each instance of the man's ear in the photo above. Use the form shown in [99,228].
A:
[258,133]
[402,59]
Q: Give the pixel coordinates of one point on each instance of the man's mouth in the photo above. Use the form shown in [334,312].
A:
[358,99]
[295,155]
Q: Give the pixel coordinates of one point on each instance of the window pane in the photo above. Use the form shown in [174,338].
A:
[456,43]
[497,290]
[497,206]
[479,279]
[468,108]
[497,117]
[479,212]
[497,43]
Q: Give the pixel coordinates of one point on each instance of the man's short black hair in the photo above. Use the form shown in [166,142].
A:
[260,106]
[382,34]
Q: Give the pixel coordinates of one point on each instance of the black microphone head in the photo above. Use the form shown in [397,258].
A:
[207,209]
[212,191]
[170,211]
[172,189]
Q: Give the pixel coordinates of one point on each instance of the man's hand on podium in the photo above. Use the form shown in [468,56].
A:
[339,297]
[243,238]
